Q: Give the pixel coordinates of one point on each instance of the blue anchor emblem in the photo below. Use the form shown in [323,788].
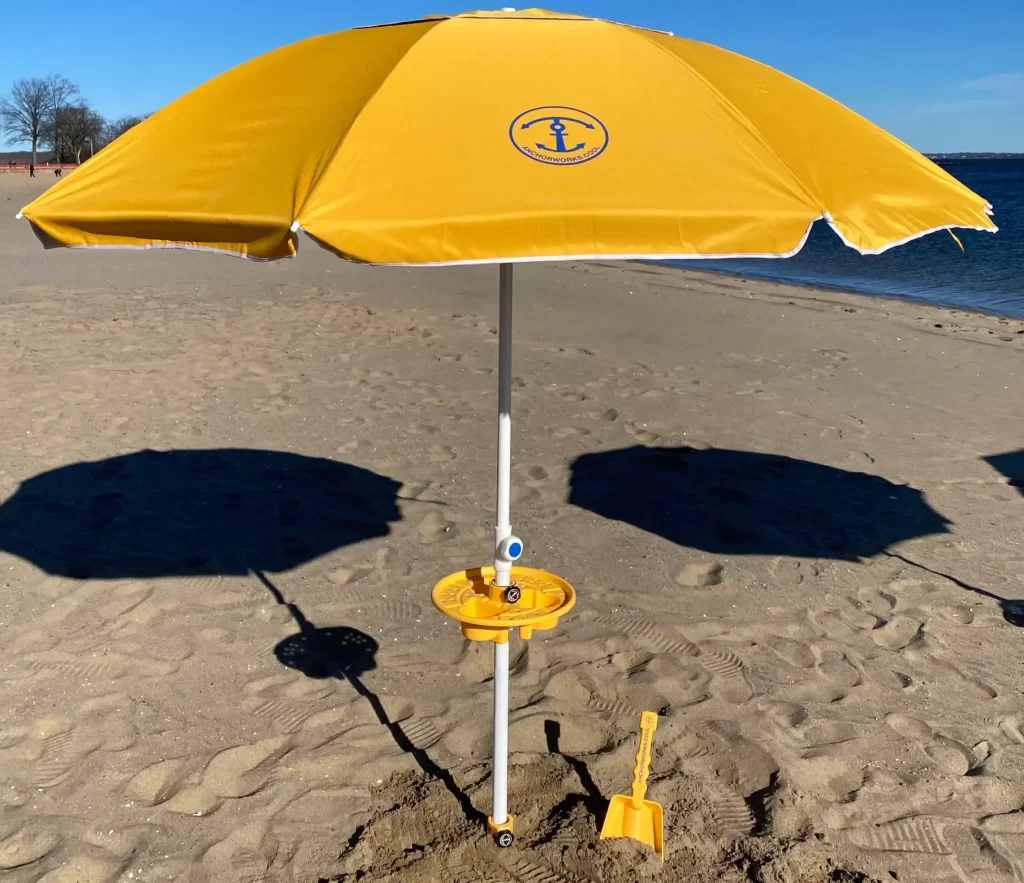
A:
[557,129]
[557,135]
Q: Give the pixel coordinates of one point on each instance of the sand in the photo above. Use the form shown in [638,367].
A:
[792,517]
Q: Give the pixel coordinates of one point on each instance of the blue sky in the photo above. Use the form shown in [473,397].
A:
[941,74]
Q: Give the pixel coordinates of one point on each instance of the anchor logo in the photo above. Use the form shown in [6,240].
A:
[558,135]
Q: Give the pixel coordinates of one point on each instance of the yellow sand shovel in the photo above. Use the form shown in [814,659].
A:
[633,816]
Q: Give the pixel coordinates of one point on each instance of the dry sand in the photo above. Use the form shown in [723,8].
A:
[792,517]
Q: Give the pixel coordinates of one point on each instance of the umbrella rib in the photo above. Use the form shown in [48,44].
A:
[355,117]
[739,113]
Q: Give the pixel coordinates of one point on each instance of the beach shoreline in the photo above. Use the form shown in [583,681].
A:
[791,516]
[821,286]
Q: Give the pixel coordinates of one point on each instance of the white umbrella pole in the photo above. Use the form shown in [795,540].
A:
[502,526]
[504,542]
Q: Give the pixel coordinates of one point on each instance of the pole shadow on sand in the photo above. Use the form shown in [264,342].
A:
[225,512]
[347,654]
[746,503]
[1011,465]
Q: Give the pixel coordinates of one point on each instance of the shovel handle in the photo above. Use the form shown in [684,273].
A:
[648,724]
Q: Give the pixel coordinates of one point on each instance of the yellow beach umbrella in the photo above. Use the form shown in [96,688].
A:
[500,137]
[504,135]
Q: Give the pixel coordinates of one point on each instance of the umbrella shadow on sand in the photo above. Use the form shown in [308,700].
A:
[1011,465]
[729,502]
[346,654]
[225,512]
[746,503]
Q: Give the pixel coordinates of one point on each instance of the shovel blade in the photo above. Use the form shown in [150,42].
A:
[643,822]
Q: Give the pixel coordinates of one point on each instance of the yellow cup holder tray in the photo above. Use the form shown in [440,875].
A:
[484,611]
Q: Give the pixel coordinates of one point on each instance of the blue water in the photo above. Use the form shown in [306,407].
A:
[987,276]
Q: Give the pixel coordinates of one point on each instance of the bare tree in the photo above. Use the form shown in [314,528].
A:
[114,129]
[61,94]
[24,114]
[77,126]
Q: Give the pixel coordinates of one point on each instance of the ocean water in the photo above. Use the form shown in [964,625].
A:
[987,276]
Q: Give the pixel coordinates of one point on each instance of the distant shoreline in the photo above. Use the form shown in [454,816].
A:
[811,285]
[938,157]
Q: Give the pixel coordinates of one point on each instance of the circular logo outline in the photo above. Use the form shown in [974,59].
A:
[567,161]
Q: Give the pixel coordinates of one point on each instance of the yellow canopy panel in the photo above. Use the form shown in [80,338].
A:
[501,136]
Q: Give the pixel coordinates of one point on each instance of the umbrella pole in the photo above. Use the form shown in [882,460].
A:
[506,549]
[516,598]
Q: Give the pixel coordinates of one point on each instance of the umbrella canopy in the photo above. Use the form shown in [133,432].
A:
[492,136]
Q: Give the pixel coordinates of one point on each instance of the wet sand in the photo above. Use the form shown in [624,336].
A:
[792,517]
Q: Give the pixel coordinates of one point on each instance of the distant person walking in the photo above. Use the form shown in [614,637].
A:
[31,170]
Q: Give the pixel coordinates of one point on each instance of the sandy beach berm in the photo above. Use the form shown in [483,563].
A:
[792,518]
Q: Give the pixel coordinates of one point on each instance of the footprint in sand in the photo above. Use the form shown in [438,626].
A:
[730,680]
[27,845]
[61,745]
[236,772]
[876,602]
[794,726]
[245,855]
[56,755]
[523,871]
[787,571]
[564,432]
[421,732]
[381,610]
[159,645]
[906,835]
[435,527]
[107,721]
[731,811]
[719,753]
[1011,728]
[834,625]
[83,869]
[798,654]
[537,473]
[947,754]
[524,494]
[729,676]
[857,616]
[285,717]
[642,435]
[648,633]
[157,783]
[700,575]
[342,576]
[438,454]
[898,633]
[621,685]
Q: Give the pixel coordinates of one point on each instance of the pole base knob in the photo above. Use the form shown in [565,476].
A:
[503,834]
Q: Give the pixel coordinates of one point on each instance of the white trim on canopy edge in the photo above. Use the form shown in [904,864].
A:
[295,228]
